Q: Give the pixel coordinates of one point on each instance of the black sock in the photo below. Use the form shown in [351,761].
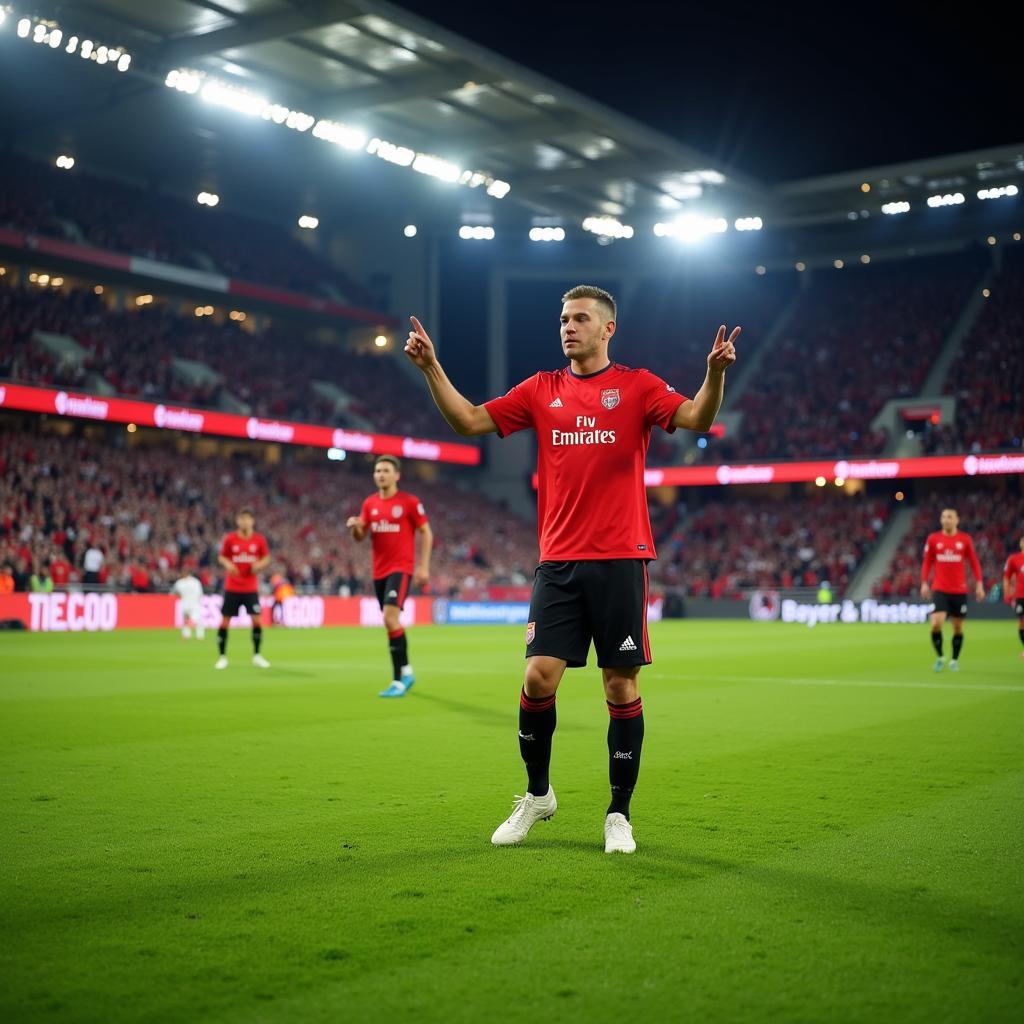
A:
[1020,633]
[398,645]
[536,727]
[958,642]
[625,739]
[222,639]
[937,641]
[257,638]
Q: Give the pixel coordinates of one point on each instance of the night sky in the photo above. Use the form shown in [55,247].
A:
[779,91]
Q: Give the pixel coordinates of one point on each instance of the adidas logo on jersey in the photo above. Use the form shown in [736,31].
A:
[627,644]
[556,404]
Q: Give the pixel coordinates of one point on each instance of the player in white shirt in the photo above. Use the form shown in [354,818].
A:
[190,594]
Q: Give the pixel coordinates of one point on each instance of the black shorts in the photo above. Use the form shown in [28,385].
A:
[576,602]
[392,589]
[234,602]
[1018,607]
[954,605]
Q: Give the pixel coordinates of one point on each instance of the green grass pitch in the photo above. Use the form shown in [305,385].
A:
[827,832]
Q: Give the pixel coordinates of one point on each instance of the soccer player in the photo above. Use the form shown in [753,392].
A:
[945,550]
[1015,595]
[190,593]
[593,420]
[393,518]
[243,555]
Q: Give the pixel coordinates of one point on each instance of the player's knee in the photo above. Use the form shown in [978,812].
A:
[541,679]
[621,686]
[391,618]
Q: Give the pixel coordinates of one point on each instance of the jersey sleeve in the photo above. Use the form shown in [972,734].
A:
[928,561]
[364,511]
[224,548]
[972,557]
[417,513]
[514,411]
[661,401]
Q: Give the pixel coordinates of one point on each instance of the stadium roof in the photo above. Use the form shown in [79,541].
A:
[386,74]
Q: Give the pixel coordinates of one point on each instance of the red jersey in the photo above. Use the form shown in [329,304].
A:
[1015,567]
[947,554]
[592,438]
[392,523]
[244,553]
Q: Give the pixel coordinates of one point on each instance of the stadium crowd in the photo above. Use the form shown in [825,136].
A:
[133,352]
[151,512]
[987,377]
[861,337]
[77,207]
[726,547]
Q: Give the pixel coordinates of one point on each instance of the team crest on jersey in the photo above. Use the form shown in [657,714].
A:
[610,397]
[531,632]
[396,511]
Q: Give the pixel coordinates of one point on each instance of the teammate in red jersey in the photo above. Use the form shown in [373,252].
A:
[946,550]
[243,554]
[593,421]
[1014,595]
[393,518]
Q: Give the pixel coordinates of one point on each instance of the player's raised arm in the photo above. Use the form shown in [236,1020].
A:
[465,418]
[699,412]
[356,527]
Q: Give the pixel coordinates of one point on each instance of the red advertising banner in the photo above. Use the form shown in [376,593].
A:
[78,612]
[835,469]
[225,424]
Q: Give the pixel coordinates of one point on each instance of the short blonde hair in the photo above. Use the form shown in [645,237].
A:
[591,291]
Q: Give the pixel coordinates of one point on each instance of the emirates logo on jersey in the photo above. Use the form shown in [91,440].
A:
[610,397]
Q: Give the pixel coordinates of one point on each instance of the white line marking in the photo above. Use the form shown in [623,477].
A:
[880,683]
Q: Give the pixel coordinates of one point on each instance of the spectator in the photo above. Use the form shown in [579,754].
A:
[92,563]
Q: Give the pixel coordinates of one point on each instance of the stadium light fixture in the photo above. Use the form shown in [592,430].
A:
[691,227]
[997,193]
[760,270]
[46,32]
[865,259]
[801,266]
[547,234]
[476,232]
[97,289]
[381,341]
[819,481]
[350,137]
[208,199]
[949,199]
[337,454]
[607,227]
[748,224]
[891,209]
[143,300]
[409,230]
[24,27]
[991,239]
[309,222]
[237,315]
[985,293]
[65,162]
[838,264]
[56,282]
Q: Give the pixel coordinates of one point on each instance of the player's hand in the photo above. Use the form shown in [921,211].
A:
[979,591]
[233,570]
[926,591]
[354,521]
[421,578]
[723,352]
[419,348]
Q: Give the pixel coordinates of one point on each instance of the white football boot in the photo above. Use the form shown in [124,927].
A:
[527,812]
[221,662]
[618,834]
[259,661]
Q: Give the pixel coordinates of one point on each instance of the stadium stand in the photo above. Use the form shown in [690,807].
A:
[132,354]
[152,510]
[994,517]
[987,377]
[80,208]
[729,546]
[861,336]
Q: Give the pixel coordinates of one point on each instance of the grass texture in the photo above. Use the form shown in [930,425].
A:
[827,831]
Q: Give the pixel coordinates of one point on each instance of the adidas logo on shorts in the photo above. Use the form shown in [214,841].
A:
[627,644]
